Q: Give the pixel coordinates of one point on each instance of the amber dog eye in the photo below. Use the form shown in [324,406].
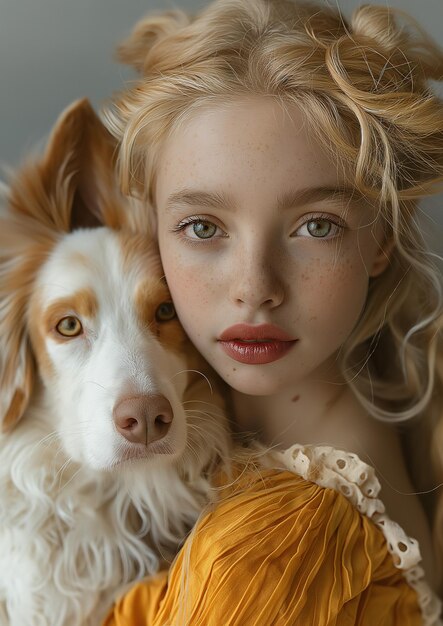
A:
[165,312]
[69,327]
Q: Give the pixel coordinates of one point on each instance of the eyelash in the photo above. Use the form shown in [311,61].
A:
[188,221]
[196,219]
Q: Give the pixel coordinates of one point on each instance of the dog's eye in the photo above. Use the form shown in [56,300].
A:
[69,326]
[165,312]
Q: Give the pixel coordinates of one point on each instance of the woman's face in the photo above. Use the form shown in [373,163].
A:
[255,228]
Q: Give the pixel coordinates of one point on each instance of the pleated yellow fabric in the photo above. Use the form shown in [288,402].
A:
[277,550]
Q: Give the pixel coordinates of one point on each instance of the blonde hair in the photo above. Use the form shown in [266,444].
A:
[364,88]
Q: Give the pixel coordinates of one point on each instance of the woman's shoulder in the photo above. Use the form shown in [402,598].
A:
[291,543]
[316,518]
[353,487]
[316,486]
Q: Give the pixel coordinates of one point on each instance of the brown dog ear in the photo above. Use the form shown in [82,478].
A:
[79,164]
[16,359]
[17,380]
[73,185]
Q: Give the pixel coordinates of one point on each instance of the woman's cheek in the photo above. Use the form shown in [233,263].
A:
[331,300]
[191,287]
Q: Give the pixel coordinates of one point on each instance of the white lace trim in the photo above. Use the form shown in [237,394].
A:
[346,473]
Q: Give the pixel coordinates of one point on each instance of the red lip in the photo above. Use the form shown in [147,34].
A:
[273,343]
[249,332]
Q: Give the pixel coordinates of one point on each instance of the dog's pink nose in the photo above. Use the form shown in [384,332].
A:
[143,419]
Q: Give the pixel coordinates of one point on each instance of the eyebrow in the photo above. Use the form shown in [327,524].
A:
[292,199]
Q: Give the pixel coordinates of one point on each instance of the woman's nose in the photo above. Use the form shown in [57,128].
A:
[255,282]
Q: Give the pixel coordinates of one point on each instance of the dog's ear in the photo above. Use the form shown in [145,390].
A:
[78,170]
[17,372]
[73,185]
[16,359]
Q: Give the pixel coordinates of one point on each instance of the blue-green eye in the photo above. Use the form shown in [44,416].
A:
[165,312]
[319,227]
[204,230]
[195,228]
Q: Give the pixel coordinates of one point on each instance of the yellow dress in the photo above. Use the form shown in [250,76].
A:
[278,550]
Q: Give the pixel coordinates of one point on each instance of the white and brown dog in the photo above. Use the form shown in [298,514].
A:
[110,430]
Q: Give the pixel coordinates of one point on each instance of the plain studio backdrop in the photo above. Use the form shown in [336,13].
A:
[55,51]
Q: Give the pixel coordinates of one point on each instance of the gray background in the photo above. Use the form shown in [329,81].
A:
[54,51]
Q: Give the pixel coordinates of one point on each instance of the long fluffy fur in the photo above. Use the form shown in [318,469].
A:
[72,535]
[78,536]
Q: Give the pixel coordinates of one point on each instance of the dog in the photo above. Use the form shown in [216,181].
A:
[112,424]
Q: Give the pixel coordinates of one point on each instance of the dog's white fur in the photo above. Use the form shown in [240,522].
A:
[83,511]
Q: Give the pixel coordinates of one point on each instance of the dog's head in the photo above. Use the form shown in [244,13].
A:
[85,308]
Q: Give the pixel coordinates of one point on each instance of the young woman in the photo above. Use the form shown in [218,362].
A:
[282,152]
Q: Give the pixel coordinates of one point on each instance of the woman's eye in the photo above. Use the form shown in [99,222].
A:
[198,228]
[165,312]
[319,228]
[69,326]
[204,230]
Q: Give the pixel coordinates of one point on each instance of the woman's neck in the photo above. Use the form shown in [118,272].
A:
[327,412]
[313,411]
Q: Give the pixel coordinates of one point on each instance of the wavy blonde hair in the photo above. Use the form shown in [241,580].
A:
[363,86]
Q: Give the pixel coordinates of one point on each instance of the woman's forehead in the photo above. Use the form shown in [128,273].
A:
[255,144]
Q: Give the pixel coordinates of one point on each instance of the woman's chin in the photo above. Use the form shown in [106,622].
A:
[254,383]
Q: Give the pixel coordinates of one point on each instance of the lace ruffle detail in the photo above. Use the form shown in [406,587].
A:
[346,473]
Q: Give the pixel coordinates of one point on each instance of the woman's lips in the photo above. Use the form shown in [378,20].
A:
[255,345]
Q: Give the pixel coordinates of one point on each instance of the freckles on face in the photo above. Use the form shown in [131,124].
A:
[242,172]
[193,289]
[332,296]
